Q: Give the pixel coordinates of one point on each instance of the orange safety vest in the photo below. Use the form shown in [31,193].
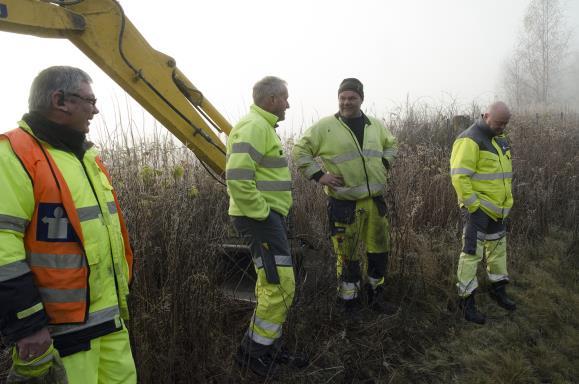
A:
[50,187]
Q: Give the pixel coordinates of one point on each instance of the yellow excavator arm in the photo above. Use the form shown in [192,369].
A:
[101,30]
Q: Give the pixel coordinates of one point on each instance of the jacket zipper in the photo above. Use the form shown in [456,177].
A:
[360,153]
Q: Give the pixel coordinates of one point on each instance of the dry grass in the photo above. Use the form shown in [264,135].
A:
[184,330]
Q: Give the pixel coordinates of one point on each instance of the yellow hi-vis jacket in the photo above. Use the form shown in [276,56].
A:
[362,168]
[103,244]
[481,171]
[257,173]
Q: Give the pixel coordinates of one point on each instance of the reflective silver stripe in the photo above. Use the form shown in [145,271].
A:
[465,289]
[112,207]
[268,185]
[495,278]
[259,339]
[247,148]
[284,261]
[13,223]
[266,325]
[492,176]
[390,152]
[481,236]
[44,360]
[13,270]
[240,174]
[51,295]
[355,193]
[46,260]
[95,318]
[344,157]
[88,213]
[496,236]
[349,291]
[471,200]
[304,160]
[372,153]
[461,171]
[273,162]
[498,210]
[312,170]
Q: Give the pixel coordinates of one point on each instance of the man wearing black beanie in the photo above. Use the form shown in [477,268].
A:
[356,152]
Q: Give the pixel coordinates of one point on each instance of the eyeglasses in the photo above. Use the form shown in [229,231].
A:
[90,100]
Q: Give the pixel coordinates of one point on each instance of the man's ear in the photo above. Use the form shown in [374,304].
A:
[57,101]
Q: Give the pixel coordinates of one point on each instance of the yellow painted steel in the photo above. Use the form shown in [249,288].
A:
[100,29]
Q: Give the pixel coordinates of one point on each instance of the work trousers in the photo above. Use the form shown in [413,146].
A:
[108,361]
[275,285]
[352,225]
[486,238]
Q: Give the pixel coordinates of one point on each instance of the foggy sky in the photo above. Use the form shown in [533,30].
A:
[426,51]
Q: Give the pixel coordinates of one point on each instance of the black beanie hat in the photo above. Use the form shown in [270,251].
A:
[352,84]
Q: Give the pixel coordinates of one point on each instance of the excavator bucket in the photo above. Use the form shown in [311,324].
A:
[239,272]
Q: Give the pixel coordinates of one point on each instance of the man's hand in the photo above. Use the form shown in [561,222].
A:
[331,181]
[30,347]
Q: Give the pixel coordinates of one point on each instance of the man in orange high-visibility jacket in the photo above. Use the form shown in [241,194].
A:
[65,259]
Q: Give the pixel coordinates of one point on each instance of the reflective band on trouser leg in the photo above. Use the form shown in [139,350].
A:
[374,283]
[348,291]
[273,303]
[496,255]
[109,360]
[466,271]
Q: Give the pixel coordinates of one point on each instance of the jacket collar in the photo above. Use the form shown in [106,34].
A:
[485,129]
[268,116]
[366,119]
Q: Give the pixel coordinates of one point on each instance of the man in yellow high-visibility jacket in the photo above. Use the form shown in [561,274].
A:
[65,258]
[481,172]
[259,187]
[356,152]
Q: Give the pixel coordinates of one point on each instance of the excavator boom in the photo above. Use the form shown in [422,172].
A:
[100,29]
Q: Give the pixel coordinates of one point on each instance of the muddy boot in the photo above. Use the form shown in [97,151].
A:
[498,293]
[468,306]
[377,301]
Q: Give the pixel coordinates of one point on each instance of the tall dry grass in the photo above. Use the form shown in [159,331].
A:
[185,330]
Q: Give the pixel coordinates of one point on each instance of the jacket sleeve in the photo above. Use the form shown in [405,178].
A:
[390,148]
[462,166]
[21,309]
[304,153]
[245,149]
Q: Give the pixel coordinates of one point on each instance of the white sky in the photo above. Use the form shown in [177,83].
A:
[433,51]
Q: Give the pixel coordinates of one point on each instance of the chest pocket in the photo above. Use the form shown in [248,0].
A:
[488,162]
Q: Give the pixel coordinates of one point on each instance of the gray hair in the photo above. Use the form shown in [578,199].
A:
[49,80]
[268,86]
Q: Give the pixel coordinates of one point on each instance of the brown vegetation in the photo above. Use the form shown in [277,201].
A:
[185,330]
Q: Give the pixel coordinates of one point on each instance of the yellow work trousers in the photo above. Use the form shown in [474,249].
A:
[108,361]
[368,227]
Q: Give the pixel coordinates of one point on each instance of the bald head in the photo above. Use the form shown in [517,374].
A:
[497,117]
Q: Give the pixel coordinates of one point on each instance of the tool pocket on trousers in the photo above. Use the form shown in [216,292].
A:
[269,265]
[341,211]
[381,205]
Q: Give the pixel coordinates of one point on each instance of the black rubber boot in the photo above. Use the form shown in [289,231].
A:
[351,309]
[292,359]
[263,365]
[468,306]
[499,294]
[377,302]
